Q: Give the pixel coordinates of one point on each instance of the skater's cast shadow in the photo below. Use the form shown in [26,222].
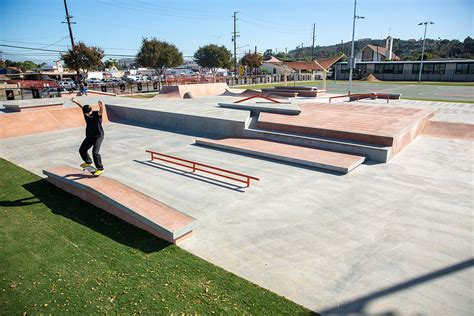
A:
[19,202]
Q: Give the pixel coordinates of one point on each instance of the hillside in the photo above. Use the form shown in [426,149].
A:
[405,49]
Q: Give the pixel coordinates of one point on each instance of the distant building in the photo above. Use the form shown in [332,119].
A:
[433,70]
[276,67]
[125,63]
[317,68]
[377,53]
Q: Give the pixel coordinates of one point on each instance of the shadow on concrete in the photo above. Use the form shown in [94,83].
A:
[335,173]
[73,208]
[192,175]
[357,306]
[19,202]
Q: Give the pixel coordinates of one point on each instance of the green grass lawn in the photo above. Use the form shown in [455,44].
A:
[60,254]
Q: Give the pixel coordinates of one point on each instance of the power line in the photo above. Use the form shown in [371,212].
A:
[32,48]
[161,13]
[272,23]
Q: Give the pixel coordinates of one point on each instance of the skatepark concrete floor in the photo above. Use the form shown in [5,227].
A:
[386,238]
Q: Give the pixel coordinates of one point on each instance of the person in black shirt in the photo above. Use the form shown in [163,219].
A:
[94,136]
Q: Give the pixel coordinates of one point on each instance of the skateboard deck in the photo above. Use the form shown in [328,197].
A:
[90,169]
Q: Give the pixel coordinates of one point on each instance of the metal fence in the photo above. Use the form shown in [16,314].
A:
[123,88]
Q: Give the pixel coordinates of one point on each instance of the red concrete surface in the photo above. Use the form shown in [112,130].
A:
[33,122]
[291,153]
[197,90]
[124,202]
[387,126]
[449,130]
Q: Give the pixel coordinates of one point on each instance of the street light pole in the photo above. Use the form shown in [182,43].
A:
[423,48]
[351,61]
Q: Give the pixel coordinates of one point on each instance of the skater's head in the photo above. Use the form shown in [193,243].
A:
[87,109]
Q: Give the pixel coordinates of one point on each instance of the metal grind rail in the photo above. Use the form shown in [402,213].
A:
[196,166]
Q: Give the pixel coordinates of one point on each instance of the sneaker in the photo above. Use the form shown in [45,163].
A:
[98,172]
[85,165]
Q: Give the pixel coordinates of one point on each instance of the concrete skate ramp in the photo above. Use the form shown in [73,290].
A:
[197,90]
[124,202]
[33,122]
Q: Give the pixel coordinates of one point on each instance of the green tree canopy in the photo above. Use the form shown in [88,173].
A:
[213,57]
[251,60]
[158,55]
[110,62]
[84,57]
[23,65]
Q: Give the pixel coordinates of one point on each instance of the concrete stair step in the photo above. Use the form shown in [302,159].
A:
[312,157]
[370,151]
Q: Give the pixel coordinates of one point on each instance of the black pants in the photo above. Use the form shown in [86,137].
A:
[86,145]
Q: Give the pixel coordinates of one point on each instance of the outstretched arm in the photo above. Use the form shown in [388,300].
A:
[101,107]
[78,104]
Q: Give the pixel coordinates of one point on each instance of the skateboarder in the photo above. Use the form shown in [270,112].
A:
[94,136]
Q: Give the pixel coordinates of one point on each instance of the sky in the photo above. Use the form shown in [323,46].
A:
[118,26]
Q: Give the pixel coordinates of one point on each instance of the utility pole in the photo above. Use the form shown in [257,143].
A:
[68,18]
[255,49]
[234,39]
[312,50]
[352,61]
[423,49]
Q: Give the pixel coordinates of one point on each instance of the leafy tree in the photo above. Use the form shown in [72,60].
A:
[252,61]
[468,47]
[110,62]
[84,58]
[213,57]
[267,54]
[158,55]
[23,65]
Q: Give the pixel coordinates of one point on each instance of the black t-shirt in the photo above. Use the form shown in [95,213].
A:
[94,125]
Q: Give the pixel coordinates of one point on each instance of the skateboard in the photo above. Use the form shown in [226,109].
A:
[90,169]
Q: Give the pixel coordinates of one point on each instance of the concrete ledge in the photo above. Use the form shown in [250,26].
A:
[372,152]
[311,157]
[33,105]
[174,120]
[279,108]
[124,202]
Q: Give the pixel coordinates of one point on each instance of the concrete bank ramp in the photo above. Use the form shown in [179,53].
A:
[41,121]
[299,155]
[449,130]
[124,202]
[194,90]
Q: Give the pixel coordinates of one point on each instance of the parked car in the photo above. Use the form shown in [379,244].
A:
[93,80]
[67,84]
